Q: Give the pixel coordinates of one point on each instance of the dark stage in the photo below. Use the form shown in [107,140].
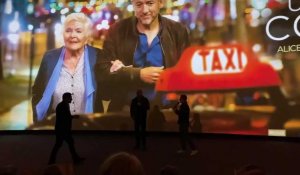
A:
[218,154]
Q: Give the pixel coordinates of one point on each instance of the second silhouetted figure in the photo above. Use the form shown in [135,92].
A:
[138,111]
[182,109]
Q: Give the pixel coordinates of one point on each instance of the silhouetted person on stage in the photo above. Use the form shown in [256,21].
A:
[138,111]
[182,109]
[63,126]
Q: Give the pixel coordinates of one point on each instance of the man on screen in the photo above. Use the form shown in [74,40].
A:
[137,50]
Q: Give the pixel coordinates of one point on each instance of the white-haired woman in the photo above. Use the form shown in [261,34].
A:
[68,69]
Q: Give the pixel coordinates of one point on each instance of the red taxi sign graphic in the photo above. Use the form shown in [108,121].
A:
[226,67]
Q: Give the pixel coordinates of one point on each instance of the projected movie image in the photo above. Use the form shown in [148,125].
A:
[237,61]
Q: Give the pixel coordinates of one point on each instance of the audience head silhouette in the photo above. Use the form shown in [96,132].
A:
[122,163]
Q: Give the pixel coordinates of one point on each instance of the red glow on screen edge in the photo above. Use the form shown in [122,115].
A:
[224,67]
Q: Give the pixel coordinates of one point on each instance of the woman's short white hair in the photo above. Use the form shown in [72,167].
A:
[82,18]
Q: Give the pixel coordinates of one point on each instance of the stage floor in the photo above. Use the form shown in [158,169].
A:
[218,154]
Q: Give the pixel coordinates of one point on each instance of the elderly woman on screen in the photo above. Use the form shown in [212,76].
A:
[68,69]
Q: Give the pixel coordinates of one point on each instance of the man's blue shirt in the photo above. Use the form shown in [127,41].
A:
[145,56]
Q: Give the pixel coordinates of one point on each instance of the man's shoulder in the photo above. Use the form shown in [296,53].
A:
[61,105]
[171,23]
[127,22]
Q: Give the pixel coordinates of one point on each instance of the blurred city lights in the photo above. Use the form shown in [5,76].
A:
[13,38]
[62,18]
[14,26]
[259,5]
[172,17]
[233,13]
[60,5]
[92,2]
[58,28]
[266,12]
[103,25]
[64,11]
[98,8]
[8,7]
[130,8]
[192,26]
[77,9]
[52,10]
[255,14]
[8,57]
[176,12]
[256,47]
[248,10]
[30,27]
[116,17]
[178,3]
[120,3]
[94,16]
[71,4]
[276,64]
[30,8]
[254,23]
[107,15]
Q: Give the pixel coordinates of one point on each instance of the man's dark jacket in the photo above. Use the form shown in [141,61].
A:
[183,114]
[121,43]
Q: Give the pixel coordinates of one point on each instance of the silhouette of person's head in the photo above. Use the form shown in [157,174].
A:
[122,163]
[139,92]
[169,170]
[67,97]
[250,169]
[183,98]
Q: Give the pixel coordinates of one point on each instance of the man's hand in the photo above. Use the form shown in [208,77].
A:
[151,74]
[116,65]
